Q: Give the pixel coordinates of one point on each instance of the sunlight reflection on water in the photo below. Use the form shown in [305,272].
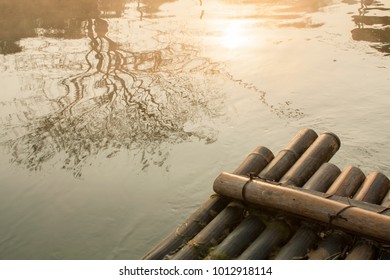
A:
[116,116]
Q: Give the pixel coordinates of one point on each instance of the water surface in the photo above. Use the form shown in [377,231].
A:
[116,116]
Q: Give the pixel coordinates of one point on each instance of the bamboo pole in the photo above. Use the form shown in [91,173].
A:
[332,246]
[321,151]
[277,235]
[348,182]
[298,245]
[240,238]
[292,200]
[212,234]
[254,162]
[305,237]
[297,145]
[373,190]
[323,178]
[289,155]
[276,169]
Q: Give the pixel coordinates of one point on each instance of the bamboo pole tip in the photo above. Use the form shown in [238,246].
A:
[307,131]
[329,167]
[335,137]
[356,171]
[378,175]
[264,152]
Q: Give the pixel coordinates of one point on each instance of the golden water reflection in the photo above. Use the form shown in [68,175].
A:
[373,25]
[107,88]
[279,13]
[123,101]
[91,95]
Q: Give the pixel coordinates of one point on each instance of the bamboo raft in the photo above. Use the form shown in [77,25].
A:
[295,205]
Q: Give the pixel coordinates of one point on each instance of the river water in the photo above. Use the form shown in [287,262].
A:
[116,116]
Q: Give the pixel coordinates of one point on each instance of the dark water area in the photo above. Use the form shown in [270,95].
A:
[117,115]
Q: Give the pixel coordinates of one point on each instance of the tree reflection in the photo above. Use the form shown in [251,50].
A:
[124,101]
[372,28]
[52,18]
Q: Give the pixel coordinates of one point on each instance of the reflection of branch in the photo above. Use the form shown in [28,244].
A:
[141,13]
[123,99]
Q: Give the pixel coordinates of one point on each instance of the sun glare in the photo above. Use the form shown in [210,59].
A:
[234,36]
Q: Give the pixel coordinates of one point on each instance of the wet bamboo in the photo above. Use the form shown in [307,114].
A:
[323,178]
[332,246]
[212,234]
[373,190]
[298,245]
[385,251]
[289,155]
[240,238]
[348,182]
[276,233]
[294,201]
[283,161]
[305,237]
[254,162]
[353,173]
[321,151]
[298,145]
